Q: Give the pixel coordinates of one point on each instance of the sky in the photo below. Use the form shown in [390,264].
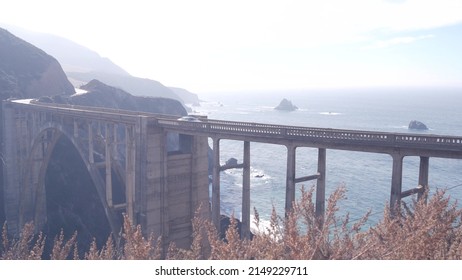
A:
[214,45]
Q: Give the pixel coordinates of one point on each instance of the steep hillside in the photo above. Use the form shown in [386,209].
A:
[27,72]
[83,65]
[72,56]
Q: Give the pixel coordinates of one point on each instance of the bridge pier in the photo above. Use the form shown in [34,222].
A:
[130,166]
[245,223]
[290,178]
[423,175]
[216,183]
[396,193]
[321,184]
[396,182]
[108,161]
[245,207]
[320,177]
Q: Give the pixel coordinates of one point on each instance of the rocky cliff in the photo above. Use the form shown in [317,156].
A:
[98,94]
[28,72]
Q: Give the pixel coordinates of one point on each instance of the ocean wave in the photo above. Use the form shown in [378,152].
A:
[330,113]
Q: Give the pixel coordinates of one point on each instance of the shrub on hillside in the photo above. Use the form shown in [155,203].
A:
[423,230]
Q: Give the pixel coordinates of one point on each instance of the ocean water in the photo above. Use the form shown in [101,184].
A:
[366,176]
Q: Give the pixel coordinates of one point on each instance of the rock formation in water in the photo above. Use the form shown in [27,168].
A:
[417,125]
[231,162]
[286,105]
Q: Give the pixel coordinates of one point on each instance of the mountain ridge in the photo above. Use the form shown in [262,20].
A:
[82,65]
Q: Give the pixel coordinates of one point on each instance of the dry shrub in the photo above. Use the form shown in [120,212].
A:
[136,246]
[231,248]
[62,248]
[26,247]
[108,252]
[423,230]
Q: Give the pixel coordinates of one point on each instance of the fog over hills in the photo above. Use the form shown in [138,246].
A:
[82,65]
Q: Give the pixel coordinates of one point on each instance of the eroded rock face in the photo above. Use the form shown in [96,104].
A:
[286,105]
[417,125]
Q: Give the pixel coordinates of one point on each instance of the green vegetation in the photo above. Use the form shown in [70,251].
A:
[425,229]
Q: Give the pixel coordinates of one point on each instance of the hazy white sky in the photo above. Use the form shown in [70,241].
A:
[208,45]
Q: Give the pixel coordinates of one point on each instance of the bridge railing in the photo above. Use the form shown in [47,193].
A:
[317,134]
[454,141]
[210,126]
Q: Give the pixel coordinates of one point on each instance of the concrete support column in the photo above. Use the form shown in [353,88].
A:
[108,155]
[115,153]
[91,158]
[396,182]
[321,184]
[216,184]
[129,170]
[245,228]
[76,129]
[423,175]
[290,178]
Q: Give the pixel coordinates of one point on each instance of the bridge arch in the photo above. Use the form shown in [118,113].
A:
[33,200]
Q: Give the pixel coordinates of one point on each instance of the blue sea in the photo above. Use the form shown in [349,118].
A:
[366,176]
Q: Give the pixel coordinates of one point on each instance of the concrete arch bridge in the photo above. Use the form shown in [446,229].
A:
[154,167]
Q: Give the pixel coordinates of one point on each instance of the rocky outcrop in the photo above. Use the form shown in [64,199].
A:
[28,72]
[231,162]
[133,85]
[99,94]
[417,125]
[225,223]
[286,105]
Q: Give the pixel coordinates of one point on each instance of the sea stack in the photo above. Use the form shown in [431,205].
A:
[417,125]
[286,105]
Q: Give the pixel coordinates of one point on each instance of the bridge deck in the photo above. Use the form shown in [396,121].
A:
[355,140]
[444,146]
